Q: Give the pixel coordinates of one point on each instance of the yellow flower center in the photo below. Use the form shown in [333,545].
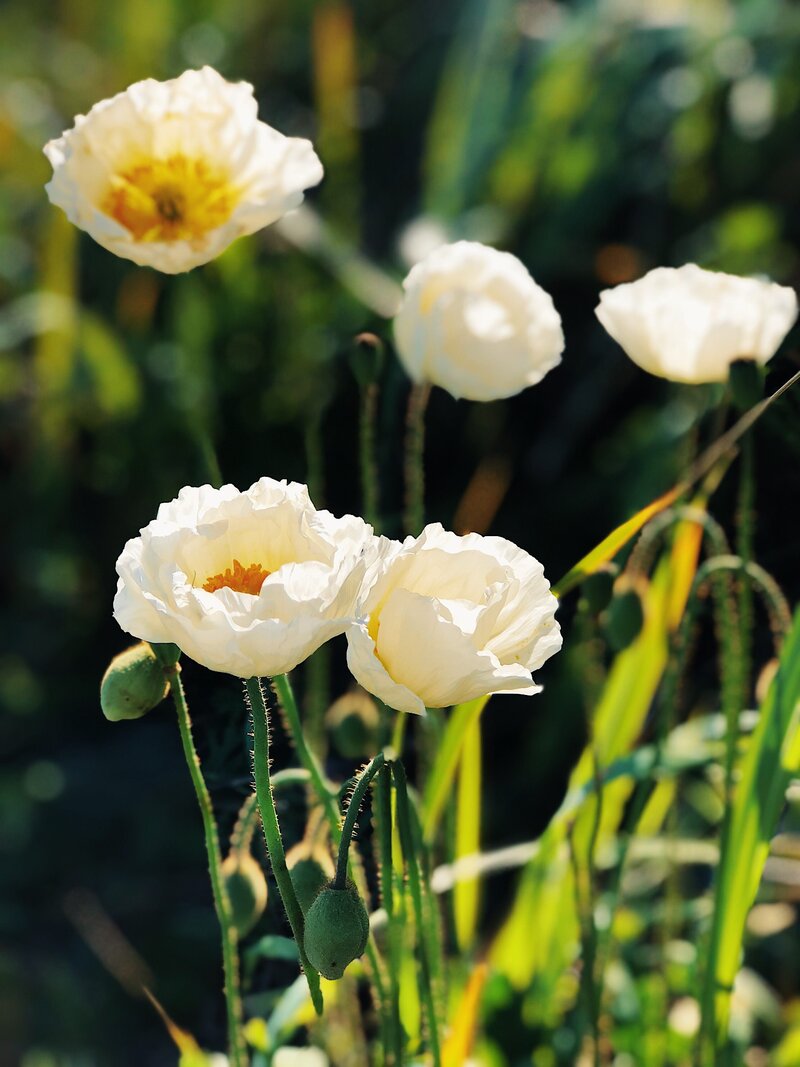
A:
[170,199]
[240,579]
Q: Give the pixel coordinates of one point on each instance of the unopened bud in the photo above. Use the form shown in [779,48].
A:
[336,930]
[133,684]
[247,890]
[310,868]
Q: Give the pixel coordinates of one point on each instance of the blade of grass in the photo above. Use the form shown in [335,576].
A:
[468,833]
[772,759]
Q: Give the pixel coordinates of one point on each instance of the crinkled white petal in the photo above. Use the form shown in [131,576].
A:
[444,619]
[474,322]
[198,115]
[689,324]
[316,563]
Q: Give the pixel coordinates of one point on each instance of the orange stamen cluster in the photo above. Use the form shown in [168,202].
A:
[240,579]
[178,198]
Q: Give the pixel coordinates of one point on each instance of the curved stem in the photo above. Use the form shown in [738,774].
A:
[414,513]
[242,833]
[362,785]
[230,949]
[272,832]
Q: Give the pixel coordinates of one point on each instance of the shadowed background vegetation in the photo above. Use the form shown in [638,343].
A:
[593,140]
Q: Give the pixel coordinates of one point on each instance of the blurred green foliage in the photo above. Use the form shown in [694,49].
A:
[594,140]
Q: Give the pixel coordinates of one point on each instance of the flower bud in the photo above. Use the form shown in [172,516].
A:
[133,684]
[308,877]
[353,723]
[366,358]
[336,930]
[625,619]
[247,890]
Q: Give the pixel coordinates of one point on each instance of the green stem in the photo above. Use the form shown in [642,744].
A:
[242,833]
[357,799]
[272,832]
[414,513]
[285,694]
[746,521]
[405,825]
[230,950]
[383,791]
[366,452]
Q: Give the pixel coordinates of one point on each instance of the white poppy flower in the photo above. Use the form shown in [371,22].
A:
[446,619]
[249,583]
[689,324]
[473,321]
[168,174]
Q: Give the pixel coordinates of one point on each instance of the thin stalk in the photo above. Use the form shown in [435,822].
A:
[745,537]
[405,824]
[383,791]
[230,949]
[414,512]
[357,799]
[242,833]
[272,832]
[367,456]
[285,694]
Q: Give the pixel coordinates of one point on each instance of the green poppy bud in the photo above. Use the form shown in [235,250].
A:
[133,684]
[337,929]
[354,723]
[247,890]
[747,383]
[366,358]
[598,589]
[625,619]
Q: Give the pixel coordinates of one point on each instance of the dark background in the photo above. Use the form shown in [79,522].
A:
[594,141]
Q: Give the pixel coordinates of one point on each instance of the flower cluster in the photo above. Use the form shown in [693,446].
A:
[252,583]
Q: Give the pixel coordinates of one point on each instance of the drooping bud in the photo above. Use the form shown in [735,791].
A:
[247,890]
[625,619]
[366,358]
[133,684]
[353,722]
[336,930]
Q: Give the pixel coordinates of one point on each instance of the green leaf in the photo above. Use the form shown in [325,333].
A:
[771,761]
[440,780]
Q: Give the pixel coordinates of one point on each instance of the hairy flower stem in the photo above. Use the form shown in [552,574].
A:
[746,521]
[414,513]
[285,693]
[405,825]
[272,832]
[367,457]
[383,796]
[357,799]
[230,948]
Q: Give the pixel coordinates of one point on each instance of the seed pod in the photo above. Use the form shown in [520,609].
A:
[247,890]
[353,723]
[625,619]
[336,930]
[133,684]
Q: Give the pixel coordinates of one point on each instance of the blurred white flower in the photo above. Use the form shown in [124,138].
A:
[446,619]
[168,174]
[290,1056]
[474,322]
[249,583]
[689,324]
